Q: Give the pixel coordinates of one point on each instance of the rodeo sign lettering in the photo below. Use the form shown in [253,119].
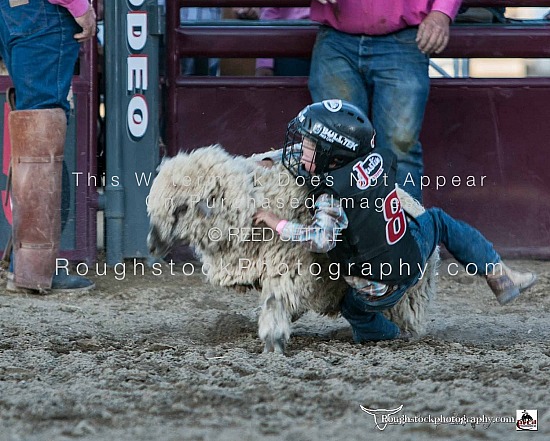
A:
[136,32]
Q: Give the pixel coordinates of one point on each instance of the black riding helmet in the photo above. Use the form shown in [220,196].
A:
[341,132]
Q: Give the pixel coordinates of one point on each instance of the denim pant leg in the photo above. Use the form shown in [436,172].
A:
[366,318]
[399,73]
[334,71]
[40,53]
[434,226]
[367,323]
[464,242]
[387,77]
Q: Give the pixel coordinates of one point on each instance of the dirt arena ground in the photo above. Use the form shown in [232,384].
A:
[171,358]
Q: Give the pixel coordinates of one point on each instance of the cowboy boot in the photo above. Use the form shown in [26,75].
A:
[31,150]
[38,138]
[509,283]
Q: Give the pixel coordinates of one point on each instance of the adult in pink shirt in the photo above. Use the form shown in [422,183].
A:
[84,15]
[39,42]
[375,54]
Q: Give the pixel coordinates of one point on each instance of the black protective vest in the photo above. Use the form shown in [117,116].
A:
[377,234]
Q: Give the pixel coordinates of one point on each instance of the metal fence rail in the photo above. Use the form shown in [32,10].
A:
[473,127]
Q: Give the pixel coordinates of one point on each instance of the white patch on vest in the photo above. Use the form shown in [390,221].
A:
[368,171]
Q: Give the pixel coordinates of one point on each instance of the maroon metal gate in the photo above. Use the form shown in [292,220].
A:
[473,127]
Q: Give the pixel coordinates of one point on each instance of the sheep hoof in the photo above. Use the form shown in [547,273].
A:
[274,345]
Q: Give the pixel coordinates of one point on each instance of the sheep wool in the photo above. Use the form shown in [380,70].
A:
[207,199]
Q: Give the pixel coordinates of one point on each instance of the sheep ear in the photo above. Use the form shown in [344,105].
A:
[203,207]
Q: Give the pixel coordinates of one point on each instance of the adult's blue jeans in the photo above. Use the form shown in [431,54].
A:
[433,227]
[40,52]
[387,77]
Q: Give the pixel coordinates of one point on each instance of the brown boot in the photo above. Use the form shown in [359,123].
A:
[37,142]
[508,285]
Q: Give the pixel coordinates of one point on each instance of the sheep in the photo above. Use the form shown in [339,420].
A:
[207,198]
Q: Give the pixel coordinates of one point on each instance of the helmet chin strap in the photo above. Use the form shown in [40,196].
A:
[321,159]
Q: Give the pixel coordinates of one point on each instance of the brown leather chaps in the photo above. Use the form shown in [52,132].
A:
[37,142]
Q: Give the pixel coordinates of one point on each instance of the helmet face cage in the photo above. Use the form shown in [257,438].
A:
[341,133]
[292,150]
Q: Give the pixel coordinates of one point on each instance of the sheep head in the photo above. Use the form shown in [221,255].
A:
[187,201]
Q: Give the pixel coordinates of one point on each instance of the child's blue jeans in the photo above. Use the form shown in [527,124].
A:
[464,242]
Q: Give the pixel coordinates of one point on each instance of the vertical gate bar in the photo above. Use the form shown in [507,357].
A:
[132,127]
[114,63]
[172,71]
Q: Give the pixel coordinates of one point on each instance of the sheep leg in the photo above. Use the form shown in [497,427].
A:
[274,325]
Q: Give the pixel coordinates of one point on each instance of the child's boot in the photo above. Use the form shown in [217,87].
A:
[509,283]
